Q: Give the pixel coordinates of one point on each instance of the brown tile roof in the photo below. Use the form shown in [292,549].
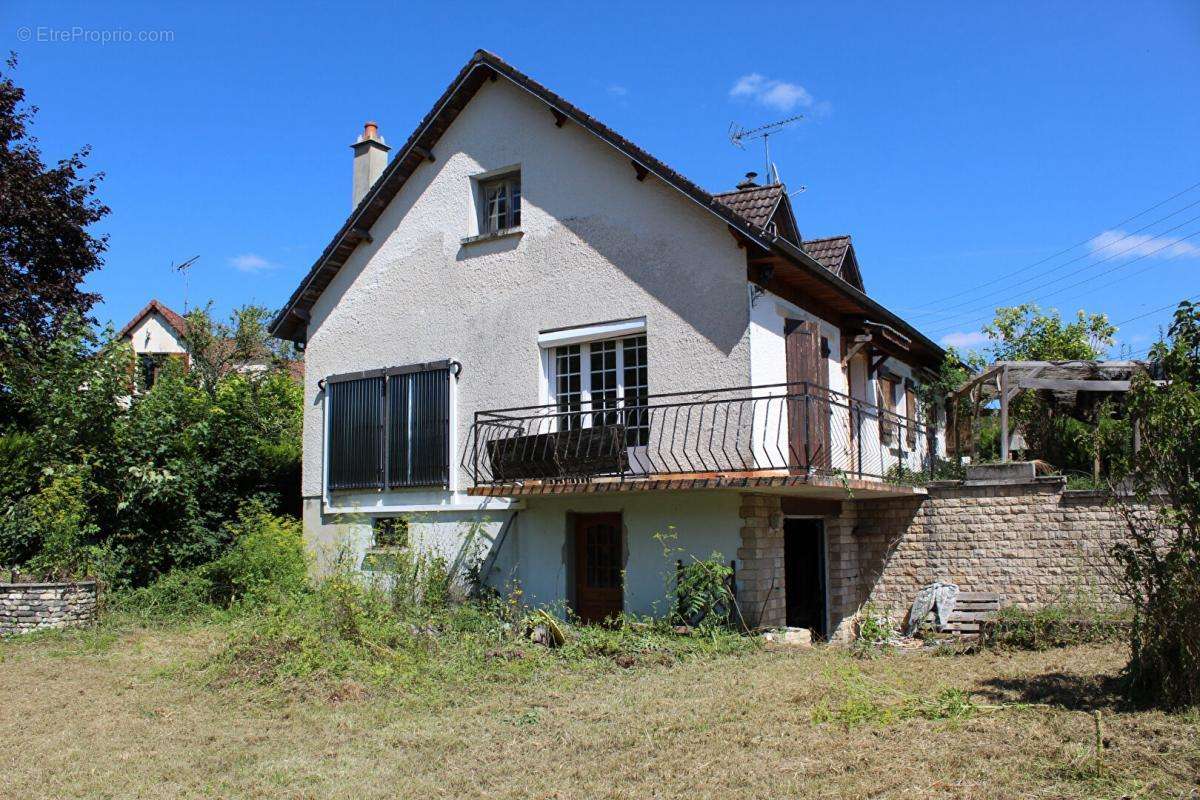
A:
[836,254]
[755,204]
[830,251]
[175,320]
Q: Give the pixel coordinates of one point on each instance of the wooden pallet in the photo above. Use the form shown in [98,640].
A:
[971,610]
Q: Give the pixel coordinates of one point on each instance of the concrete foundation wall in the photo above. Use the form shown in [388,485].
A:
[535,553]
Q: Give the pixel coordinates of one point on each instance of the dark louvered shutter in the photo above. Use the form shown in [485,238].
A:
[419,428]
[390,431]
[356,434]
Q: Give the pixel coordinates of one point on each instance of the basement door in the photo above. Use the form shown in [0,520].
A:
[808,405]
[804,574]
[599,584]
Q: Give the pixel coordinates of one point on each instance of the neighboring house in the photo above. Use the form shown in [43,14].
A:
[157,334]
[533,346]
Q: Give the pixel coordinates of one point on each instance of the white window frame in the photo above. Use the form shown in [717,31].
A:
[477,224]
[584,336]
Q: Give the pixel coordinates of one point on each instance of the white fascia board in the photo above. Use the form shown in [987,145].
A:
[590,333]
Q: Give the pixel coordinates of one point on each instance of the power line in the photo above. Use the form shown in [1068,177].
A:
[1108,246]
[1060,252]
[1156,310]
[1085,267]
[1171,243]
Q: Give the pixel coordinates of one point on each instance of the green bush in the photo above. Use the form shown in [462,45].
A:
[51,529]
[1160,558]
[1058,625]
[265,564]
[702,596]
[266,559]
[159,474]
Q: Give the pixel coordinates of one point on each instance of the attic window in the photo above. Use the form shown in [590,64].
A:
[501,204]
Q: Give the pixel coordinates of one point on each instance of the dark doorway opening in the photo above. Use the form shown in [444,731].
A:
[804,573]
[599,551]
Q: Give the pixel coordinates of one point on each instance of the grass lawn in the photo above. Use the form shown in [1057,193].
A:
[126,714]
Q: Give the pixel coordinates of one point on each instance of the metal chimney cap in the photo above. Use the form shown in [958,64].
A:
[749,183]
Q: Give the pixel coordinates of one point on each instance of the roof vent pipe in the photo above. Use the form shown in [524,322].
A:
[370,158]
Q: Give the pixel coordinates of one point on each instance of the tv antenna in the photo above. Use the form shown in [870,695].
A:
[738,135]
[185,268]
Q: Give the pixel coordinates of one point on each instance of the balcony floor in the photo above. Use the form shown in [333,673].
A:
[764,481]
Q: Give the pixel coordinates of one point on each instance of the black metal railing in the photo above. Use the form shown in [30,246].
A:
[785,429]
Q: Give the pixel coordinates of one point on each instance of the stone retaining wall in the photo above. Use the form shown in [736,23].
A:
[1034,542]
[26,607]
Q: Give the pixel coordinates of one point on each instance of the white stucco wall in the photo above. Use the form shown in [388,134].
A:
[154,335]
[768,366]
[597,245]
[535,550]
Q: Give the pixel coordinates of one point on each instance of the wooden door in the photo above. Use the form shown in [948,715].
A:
[808,405]
[599,583]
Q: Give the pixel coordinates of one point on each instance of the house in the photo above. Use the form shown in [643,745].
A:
[533,346]
[157,334]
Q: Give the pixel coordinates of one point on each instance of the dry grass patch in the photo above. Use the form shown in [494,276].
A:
[125,718]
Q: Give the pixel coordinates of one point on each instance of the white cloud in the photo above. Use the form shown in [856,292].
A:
[1119,243]
[780,95]
[617,90]
[251,262]
[964,340]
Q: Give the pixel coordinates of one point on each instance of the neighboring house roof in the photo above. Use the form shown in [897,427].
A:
[176,321]
[755,204]
[485,66]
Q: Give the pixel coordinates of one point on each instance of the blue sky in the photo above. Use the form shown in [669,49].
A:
[959,143]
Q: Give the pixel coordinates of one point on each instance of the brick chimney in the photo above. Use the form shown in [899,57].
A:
[370,157]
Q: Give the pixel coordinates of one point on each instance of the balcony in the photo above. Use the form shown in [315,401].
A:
[769,437]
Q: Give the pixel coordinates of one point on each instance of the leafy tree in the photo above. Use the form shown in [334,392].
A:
[46,249]
[1161,560]
[158,475]
[219,348]
[1027,333]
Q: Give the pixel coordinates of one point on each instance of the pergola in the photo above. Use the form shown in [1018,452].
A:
[1079,385]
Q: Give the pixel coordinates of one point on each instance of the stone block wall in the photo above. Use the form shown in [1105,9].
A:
[760,578]
[26,607]
[1034,542]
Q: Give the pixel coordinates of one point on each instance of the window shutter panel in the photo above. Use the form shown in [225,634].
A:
[355,434]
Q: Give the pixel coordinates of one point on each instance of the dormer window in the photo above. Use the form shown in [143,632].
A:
[501,205]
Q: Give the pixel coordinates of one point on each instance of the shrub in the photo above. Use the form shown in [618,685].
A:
[159,475]
[265,565]
[1161,558]
[875,631]
[1060,625]
[266,558]
[51,530]
[702,596]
